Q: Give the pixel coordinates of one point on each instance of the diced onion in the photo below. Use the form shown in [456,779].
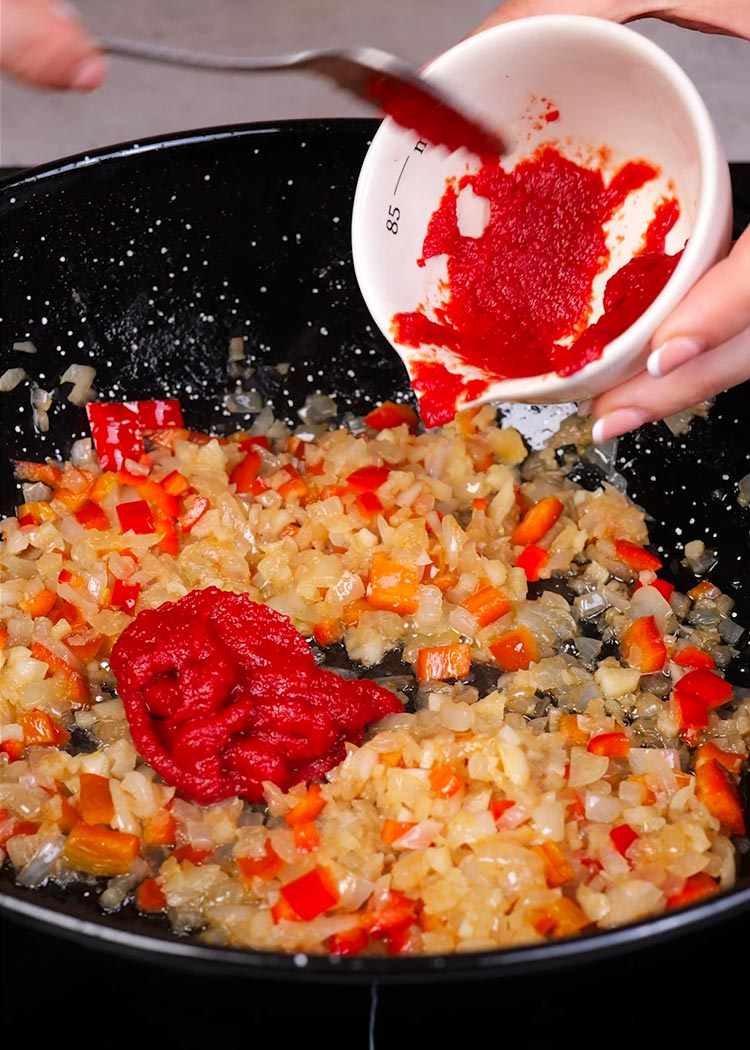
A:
[10,379]
[82,378]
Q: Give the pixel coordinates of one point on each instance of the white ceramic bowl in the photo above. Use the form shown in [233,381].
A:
[613,88]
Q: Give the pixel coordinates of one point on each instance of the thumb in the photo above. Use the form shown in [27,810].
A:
[716,308]
[43,44]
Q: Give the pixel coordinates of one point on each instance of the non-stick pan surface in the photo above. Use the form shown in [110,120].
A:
[145,260]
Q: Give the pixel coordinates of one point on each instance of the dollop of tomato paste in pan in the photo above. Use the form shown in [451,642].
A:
[222,693]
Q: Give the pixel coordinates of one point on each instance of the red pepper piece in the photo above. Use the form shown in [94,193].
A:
[348,942]
[537,521]
[693,657]
[117,428]
[246,471]
[643,646]
[613,745]
[636,557]
[623,836]
[704,685]
[392,414]
[696,888]
[136,517]
[367,479]
[532,560]
[91,516]
[222,694]
[715,787]
[124,596]
[312,893]
[664,588]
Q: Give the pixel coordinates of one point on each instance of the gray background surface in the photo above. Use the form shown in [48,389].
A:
[140,100]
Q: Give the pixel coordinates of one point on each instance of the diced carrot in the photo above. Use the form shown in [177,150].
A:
[613,745]
[98,850]
[394,829]
[160,829]
[444,580]
[479,504]
[561,919]
[149,897]
[537,521]
[441,662]
[40,603]
[486,605]
[557,868]
[308,808]
[532,560]
[38,511]
[41,729]
[716,789]
[266,867]
[69,815]
[515,649]
[4,636]
[193,854]
[696,888]
[312,893]
[393,585]
[392,414]
[692,656]
[327,632]
[445,781]
[636,557]
[95,799]
[642,645]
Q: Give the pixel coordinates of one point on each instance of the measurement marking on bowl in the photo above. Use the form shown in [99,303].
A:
[400,175]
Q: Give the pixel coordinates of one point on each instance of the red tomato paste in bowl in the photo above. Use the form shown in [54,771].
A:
[518,299]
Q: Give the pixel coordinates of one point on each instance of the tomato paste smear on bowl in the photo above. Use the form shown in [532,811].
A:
[519,296]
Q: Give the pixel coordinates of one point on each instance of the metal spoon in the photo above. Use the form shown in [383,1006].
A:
[381,79]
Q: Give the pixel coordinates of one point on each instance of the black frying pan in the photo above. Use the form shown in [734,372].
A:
[144,260]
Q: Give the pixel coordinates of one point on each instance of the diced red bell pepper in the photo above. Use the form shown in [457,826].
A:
[613,745]
[440,662]
[715,787]
[516,649]
[537,521]
[636,557]
[266,867]
[194,513]
[386,917]
[664,587]
[392,414]
[693,717]
[246,471]
[643,646]
[693,657]
[308,808]
[91,516]
[445,781]
[532,560]
[136,517]
[124,596]
[312,893]
[696,888]
[368,504]
[175,484]
[117,428]
[704,685]
[623,836]
[348,942]
[367,479]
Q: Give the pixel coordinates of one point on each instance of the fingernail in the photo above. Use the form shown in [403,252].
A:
[89,74]
[616,423]
[672,354]
[584,407]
